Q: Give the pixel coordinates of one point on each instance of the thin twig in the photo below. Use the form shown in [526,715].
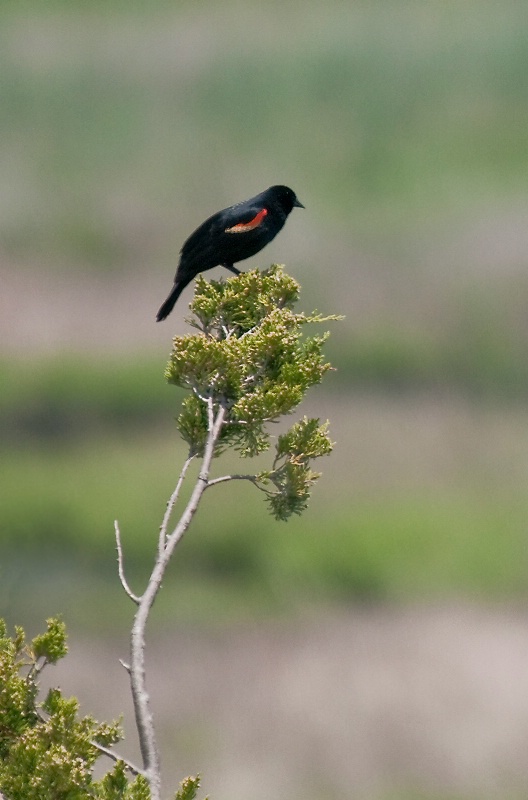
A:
[170,505]
[251,478]
[224,478]
[121,566]
[115,757]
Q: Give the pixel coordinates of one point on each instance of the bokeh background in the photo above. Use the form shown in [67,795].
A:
[375,648]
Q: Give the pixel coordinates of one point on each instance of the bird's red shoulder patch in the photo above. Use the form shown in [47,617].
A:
[242,227]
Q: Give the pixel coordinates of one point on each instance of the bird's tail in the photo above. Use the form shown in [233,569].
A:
[168,305]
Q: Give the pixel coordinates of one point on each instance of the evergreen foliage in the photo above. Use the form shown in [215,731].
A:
[251,357]
[46,750]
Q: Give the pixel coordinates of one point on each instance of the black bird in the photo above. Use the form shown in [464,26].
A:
[231,235]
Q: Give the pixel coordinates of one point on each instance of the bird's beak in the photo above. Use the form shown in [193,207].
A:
[297,203]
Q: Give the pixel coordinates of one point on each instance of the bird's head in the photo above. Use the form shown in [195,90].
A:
[285,197]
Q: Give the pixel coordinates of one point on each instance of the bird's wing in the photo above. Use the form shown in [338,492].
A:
[199,243]
[245,220]
[206,246]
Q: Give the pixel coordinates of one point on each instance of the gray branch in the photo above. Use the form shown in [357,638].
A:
[121,566]
[235,477]
[251,478]
[115,757]
[170,506]
[140,696]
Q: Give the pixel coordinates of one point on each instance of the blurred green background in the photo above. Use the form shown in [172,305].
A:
[403,128]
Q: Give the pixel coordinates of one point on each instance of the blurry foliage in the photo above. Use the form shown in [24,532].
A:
[480,359]
[384,545]
[67,398]
[384,111]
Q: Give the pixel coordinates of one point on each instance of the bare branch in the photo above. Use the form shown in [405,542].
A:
[251,478]
[224,478]
[140,696]
[115,757]
[121,567]
[170,505]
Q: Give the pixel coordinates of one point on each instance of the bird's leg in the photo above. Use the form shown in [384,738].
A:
[231,268]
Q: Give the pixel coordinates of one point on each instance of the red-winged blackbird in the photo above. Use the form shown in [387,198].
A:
[231,235]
